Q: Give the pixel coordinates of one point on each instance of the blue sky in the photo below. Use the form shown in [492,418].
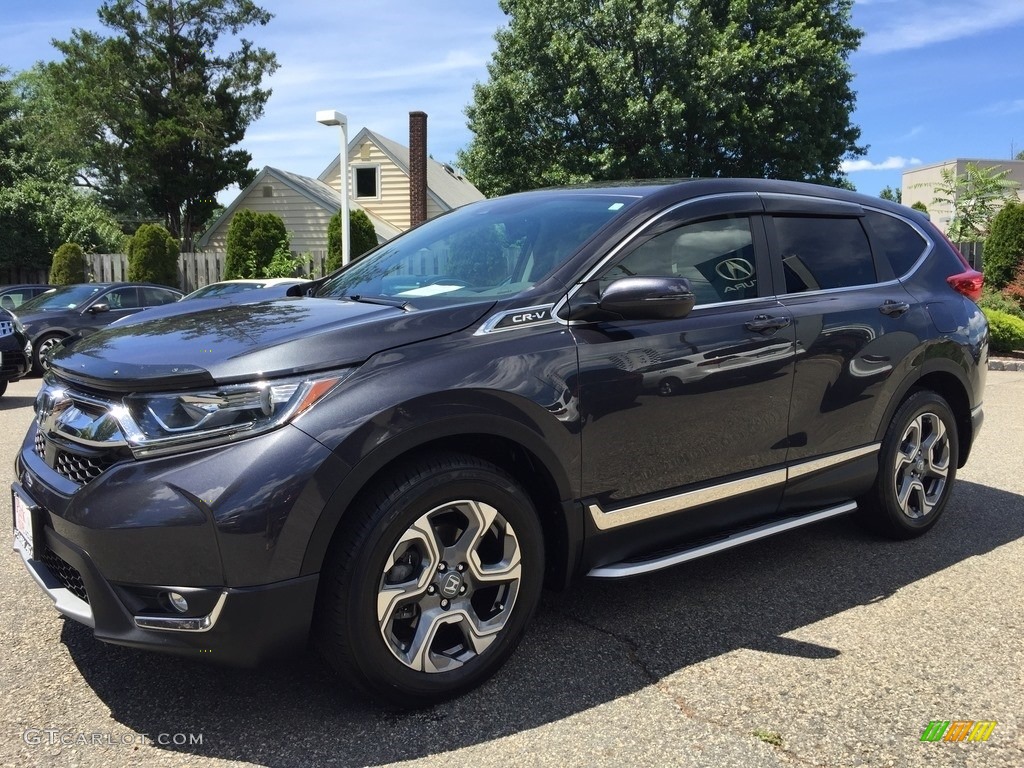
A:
[935,79]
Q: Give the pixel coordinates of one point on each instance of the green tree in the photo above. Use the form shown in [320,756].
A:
[69,265]
[362,237]
[919,206]
[153,256]
[160,104]
[253,238]
[975,196]
[583,90]
[1004,247]
[40,208]
[893,195]
[284,263]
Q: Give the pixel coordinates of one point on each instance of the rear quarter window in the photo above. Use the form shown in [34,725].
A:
[898,241]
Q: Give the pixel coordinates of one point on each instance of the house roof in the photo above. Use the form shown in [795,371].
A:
[314,190]
[445,185]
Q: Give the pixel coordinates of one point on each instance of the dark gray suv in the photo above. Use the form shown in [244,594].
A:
[590,382]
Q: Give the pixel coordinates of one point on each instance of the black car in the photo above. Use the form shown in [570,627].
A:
[79,310]
[15,350]
[594,382]
[13,296]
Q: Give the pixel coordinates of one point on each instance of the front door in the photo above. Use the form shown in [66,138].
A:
[685,421]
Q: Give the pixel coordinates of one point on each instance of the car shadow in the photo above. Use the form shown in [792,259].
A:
[11,402]
[596,643]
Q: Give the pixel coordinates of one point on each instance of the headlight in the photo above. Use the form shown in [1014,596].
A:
[164,422]
[17,324]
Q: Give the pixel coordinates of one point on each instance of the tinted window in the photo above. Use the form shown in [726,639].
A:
[122,298]
[154,297]
[899,241]
[821,253]
[68,297]
[717,257]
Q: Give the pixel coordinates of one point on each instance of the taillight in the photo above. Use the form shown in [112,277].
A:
[967,283]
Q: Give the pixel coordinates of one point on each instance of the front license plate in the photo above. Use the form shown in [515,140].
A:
[22,525]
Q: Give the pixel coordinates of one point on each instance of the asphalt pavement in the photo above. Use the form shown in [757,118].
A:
[820,647]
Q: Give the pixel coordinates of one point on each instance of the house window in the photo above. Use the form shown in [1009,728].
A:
[268,191]
[367,182]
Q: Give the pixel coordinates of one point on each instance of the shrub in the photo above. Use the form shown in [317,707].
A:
[1006,332]
[919,206]
[284,264]
[1004,247]
[253,239]
[68,265]
[153,256]
[1000,301]
[362,237]
[1014,292]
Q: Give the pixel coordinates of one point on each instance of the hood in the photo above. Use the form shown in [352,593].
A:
[239,342]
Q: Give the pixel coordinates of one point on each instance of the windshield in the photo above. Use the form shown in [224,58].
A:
[68,297]
[221,289]
[487,250]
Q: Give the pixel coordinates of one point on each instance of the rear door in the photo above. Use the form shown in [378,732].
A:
[684,420]
[854,330]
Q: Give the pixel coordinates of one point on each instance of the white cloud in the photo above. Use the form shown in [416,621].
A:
[893,163]
[918,23]
[1008,107]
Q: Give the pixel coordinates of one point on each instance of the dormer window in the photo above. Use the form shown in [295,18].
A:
[367,181]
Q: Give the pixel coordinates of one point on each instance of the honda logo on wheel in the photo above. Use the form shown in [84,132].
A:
[735,269]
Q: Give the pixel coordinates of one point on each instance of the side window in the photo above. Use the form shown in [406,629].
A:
[716,256]
[154,297]
[122,298]
[820,253]
[899,241]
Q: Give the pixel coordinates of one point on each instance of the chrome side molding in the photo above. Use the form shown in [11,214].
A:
[679,502]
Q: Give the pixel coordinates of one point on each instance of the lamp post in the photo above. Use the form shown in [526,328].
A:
[331,117]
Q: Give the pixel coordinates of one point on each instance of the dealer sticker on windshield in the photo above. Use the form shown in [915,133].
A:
[22,525]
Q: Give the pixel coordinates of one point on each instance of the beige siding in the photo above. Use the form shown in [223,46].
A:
[306,221]
[919,184]
[393,205]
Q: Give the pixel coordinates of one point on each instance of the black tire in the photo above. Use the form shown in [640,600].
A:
[372,642]
[40,346]
[3,387]
[919,457]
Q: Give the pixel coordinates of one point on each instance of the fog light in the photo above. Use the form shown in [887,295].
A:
[178,602]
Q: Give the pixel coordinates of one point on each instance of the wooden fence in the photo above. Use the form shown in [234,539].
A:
[194,269]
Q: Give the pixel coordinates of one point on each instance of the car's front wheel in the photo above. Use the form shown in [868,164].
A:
[917,467]
[42,348]
[431,582]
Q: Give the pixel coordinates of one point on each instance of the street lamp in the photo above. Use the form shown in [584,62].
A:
[331,117]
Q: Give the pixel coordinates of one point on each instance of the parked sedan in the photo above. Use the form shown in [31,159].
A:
[15,349]
[79,310]
[13,296]
[240,289]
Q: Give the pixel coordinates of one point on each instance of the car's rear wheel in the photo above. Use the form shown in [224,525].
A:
[432,581]
[41,348]
[917,467]
[3,387]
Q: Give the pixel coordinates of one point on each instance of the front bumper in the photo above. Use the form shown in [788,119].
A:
[15,357]
[226,527]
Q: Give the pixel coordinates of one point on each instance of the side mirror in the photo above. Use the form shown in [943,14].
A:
[96,308]
[636,298]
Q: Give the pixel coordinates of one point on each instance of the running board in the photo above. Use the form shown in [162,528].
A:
[635,568]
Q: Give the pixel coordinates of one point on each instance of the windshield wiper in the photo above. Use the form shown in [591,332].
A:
[402,304]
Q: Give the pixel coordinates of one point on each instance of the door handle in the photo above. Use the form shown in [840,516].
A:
[893,308]
[764,323]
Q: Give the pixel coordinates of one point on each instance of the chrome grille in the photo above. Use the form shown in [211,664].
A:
[76,467]
[66,574]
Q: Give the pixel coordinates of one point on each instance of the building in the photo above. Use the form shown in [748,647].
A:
[396,186]
[919,183]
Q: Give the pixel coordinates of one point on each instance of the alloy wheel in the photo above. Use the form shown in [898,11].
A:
[922,465]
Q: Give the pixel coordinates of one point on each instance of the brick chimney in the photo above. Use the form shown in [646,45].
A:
[417,168]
